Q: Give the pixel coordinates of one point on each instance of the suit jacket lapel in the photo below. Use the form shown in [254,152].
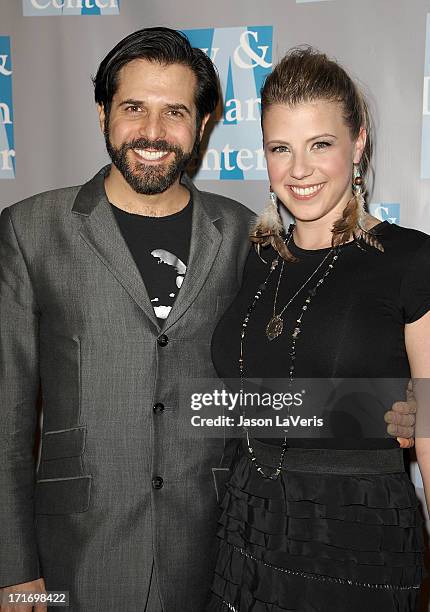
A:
[101,233]
[205,244]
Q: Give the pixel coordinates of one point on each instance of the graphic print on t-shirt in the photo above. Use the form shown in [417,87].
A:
[164,301]
[160,247]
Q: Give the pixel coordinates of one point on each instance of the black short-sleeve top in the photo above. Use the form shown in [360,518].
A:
[354,327]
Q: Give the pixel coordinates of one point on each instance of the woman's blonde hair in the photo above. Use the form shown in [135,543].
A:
[306,75]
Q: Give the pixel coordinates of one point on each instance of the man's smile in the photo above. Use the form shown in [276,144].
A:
[151,155]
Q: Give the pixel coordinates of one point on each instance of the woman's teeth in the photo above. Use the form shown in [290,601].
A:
[305,191]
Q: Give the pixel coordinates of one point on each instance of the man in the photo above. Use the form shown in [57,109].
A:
[109,294]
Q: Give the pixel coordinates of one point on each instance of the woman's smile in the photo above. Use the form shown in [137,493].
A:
[305,192]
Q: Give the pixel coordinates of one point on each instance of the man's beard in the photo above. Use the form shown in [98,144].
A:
[149,179]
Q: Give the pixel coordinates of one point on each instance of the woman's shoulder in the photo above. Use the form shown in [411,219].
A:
[401,239]
[258,263]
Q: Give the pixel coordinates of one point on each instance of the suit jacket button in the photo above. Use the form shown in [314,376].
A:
[163,340]
[157,482]
[158,408]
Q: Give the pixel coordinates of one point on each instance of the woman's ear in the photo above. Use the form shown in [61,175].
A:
[359,146]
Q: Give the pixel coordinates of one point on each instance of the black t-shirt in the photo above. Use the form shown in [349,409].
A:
[354,327]
[160,247]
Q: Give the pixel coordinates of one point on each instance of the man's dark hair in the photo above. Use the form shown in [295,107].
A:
[164,46]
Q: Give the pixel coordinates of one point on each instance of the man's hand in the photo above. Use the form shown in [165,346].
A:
[35,586]
[401,419]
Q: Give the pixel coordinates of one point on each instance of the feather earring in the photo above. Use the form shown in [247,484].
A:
[269,223]
[269,229]
[358,190]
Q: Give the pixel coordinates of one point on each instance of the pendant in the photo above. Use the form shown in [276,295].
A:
[274,327]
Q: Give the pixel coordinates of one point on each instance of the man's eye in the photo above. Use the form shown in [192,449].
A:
[321,145]
[175,113]
[133,109]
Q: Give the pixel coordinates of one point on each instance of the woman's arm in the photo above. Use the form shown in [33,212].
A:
[417,338]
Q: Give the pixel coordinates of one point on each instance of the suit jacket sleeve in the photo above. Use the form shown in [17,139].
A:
[19,383]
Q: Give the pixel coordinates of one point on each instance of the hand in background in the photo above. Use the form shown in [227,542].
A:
[401,419]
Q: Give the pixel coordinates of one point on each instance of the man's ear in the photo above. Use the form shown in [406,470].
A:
[203,125]
[102,117]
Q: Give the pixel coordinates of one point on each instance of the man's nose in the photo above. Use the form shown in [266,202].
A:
[152,127]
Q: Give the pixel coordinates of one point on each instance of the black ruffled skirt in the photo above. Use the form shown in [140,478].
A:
[320,539]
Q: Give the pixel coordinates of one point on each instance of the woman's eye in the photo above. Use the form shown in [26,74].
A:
[321,145]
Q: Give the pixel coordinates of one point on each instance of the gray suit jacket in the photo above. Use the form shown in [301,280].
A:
[76,318]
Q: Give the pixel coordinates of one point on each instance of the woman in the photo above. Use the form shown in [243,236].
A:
[323,524]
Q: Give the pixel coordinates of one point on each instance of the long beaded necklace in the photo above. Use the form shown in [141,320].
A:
[276,324]
[274,329]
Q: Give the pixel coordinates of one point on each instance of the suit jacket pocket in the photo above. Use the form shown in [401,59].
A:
[63,443]
[61,465]
[63,495]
